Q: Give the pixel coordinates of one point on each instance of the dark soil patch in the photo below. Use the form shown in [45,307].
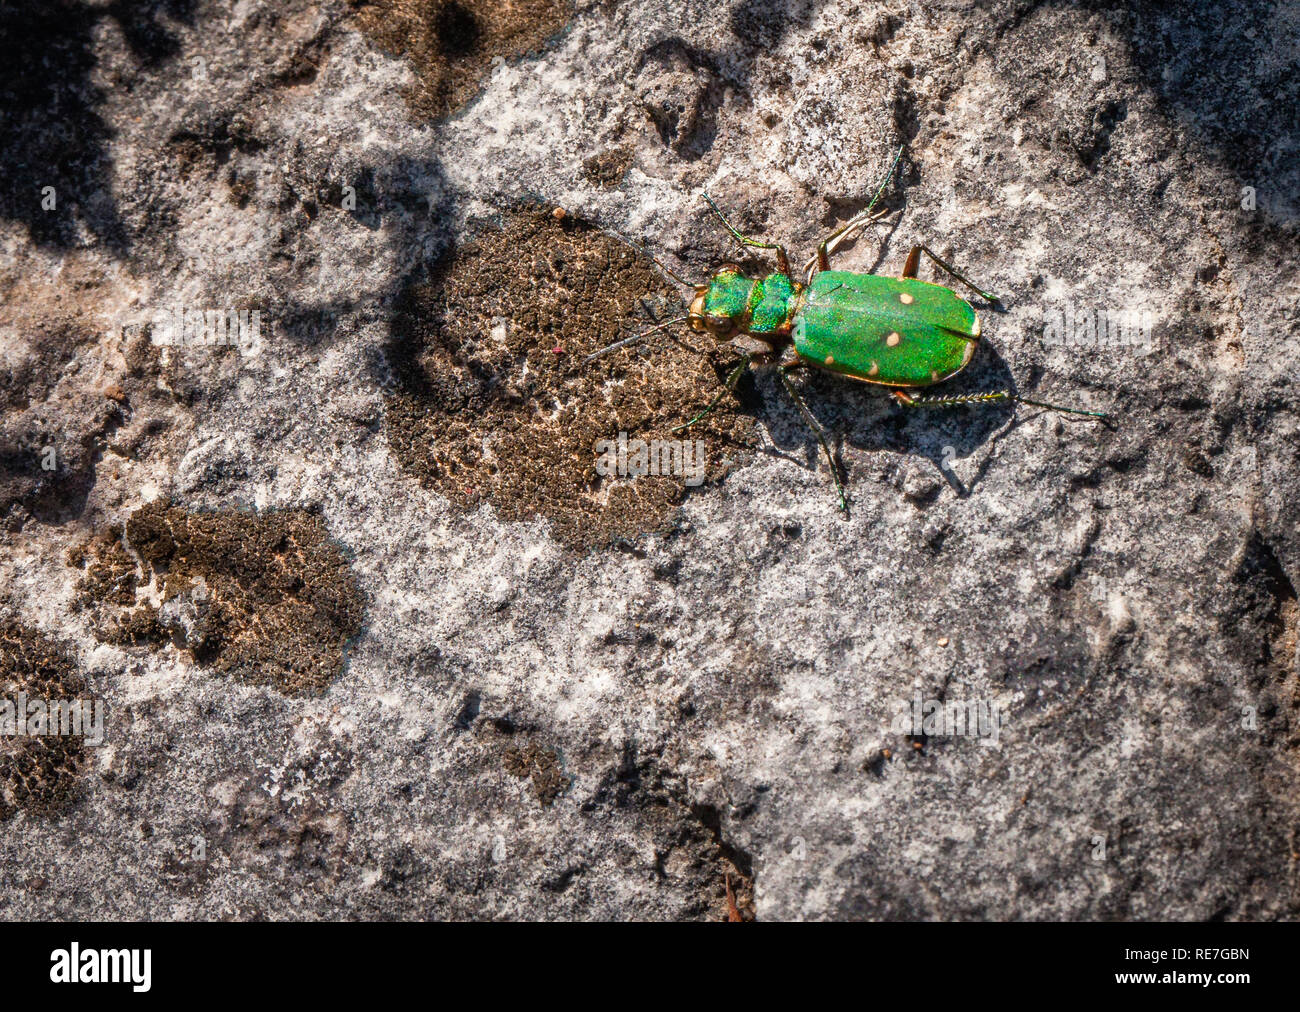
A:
[493,404]
[452,44]
[37,771]
[267,598]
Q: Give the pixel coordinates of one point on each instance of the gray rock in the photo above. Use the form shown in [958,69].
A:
[579,696]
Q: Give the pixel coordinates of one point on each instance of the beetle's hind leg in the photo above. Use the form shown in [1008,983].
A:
[914,261]
[783,371]
[913,401]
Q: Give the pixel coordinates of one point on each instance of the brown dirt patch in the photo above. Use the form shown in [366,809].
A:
[267,598]
[543,766]
[606,169]
[452,44]
[491,402]
[37,772]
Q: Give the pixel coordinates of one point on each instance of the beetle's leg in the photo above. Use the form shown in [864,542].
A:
[841,234]
[729,385]
[912,401]
[914,261]
[817,429]
[782,261]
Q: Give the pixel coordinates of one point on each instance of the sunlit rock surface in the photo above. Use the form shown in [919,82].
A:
[388,644]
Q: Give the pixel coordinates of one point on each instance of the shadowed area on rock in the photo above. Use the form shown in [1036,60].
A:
[1227,73]
[453,44]
[55,135]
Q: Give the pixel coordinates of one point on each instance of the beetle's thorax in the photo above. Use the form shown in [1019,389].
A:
[732,303]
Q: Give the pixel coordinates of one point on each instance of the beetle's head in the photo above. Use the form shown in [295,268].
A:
[719,307]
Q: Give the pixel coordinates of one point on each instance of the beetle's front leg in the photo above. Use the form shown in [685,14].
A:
[756,348]
[782,261]
[728,386]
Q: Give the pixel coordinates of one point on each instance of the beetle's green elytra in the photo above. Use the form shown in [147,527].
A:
[901,333]
[897,332]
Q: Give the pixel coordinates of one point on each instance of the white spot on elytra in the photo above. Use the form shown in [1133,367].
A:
[892,339]
[875,368]
[905,299]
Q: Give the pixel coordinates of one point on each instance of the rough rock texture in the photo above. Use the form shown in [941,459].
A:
[357,690]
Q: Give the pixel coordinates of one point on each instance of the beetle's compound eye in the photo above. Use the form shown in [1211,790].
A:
[718,324]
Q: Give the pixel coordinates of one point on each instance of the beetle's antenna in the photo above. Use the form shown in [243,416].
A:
[659,263]
[635,337]
[884,182]
[670,272]
[1057,407]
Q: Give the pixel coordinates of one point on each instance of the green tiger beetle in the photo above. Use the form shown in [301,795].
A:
[900,333]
